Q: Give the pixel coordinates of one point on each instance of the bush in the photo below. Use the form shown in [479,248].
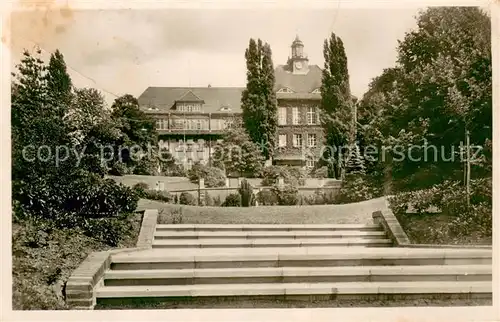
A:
[175,170]
[86,195]
[287,195]
[246,193]
[450,198]
[187,199]
[267,198]
[107,230]
[355,188]
[214,177]
[232,200]
[216,201]
[319,173]
[159,195]
[140,189]
[291,175]
[119,169]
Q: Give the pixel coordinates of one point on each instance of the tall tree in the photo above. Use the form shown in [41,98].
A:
[258,99]
[336,103]
[59,83]
[439,89]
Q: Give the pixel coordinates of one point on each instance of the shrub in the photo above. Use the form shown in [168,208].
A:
[187,199]
[140,189]
[107,230]
[158,195]
[287,195]
[246,193]
[214,177]
[291,175]
[320,173]
[146,166]
[216,201]
[232,200]
[451,199]
[86,195]
[267,198]
[119,169]
[175,170]
[355,188]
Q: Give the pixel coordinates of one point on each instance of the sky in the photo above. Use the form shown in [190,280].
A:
[125,51]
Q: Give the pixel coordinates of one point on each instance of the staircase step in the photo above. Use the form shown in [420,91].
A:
[190,258]
[299,275]
[267,234]
[353,290]
[278,242]
[268,227]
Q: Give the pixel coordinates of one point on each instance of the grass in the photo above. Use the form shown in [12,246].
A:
[39,273]
[321,214]
[433,228]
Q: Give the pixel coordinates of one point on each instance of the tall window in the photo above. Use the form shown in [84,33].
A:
[282,140]
[310,162]
[295,115]
[282,116]
[311,140]
[311,115]
[297,140]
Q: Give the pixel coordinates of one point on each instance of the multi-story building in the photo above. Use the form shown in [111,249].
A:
[298,92]
[191,120]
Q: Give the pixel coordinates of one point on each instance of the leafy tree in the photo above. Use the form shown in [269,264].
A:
[138,133]
[336,102]
[49,180]
[439,89]
[238,154]
[258,99]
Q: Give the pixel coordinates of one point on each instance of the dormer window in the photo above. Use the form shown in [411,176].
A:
[189,102]
[285,90]
[225,108]
[316,91]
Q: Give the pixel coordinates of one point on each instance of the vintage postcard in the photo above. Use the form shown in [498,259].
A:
[173,160]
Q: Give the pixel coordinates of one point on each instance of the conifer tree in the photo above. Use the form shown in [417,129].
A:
[258,99]
[336,103]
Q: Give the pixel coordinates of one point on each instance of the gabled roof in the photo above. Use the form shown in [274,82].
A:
[189,97]
[214,98]
[299,83]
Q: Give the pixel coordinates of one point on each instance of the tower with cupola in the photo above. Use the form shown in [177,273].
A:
[298,62]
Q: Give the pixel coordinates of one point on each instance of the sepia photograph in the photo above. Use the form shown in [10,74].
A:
[191,158]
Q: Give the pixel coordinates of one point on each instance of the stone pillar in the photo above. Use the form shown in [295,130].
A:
[201,192]
[281,182]
[227,182]
[161,186]
[157,185]
[239,181]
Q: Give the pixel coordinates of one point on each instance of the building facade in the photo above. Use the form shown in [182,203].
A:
[191,120]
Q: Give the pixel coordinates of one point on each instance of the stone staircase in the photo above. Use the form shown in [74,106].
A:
[311,262]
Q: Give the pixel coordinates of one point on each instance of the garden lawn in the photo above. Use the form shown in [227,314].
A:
[39,273]
[355,213]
